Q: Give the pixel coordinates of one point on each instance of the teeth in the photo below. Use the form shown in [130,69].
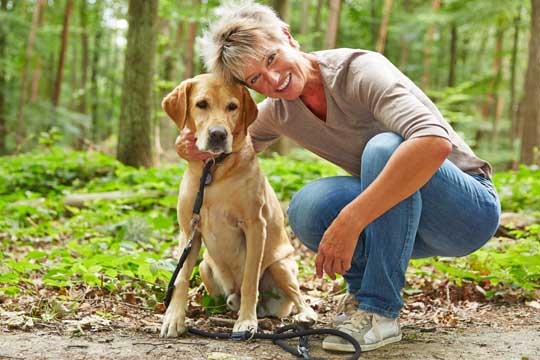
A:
[285,83]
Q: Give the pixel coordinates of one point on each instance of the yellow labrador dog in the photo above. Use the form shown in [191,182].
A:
[248,254]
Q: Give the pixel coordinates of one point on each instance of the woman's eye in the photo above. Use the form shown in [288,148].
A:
[202,104]
[254,79]
[231,107]
[271,58]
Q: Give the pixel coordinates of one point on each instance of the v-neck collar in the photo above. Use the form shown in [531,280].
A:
[299,103]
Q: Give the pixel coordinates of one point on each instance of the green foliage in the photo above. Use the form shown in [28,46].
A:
[519,190]
[126,245]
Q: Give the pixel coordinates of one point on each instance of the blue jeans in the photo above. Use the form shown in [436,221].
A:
[453,214]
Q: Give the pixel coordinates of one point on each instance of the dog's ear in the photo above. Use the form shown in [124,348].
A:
[176,103]
[249,111]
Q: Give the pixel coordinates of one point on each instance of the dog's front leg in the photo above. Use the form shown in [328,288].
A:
[175,316]
[255,232]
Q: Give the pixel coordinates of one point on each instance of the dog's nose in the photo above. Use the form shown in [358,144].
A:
[217,135]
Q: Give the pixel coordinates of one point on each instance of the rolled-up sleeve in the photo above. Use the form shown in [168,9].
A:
[393,104]
[262,131]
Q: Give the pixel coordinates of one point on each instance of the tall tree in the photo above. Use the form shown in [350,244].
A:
[333,23]
[318,39]
[84,55]
[19,130]
[63,47]
[135,130]
[3,129]
[512,111]
[282,8]
[94,106]
[435,6]
[383,31]
[531,110]
[453,54]
[189,53]
[304,20]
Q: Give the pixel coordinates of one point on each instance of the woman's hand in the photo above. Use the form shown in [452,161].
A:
[337,246]
[186,148]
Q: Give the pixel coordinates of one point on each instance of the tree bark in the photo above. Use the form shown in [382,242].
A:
[373,9]
[499,103]
[453,55]
[19,130]
[135,128]
[190,46]
[84,56]
[531,110]
[436,5]
[318,39]
[282,8]
[403,43]
[94,94]
[3,129]
[63,47]
[512,107]
[304,21]
[383,31]
[496,64]
[333,24]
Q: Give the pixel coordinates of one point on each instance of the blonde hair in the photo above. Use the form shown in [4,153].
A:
[237,35]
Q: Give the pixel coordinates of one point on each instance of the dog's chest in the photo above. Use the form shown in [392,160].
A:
[221,231]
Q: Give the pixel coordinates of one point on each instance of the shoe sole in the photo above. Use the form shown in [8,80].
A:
[350,348]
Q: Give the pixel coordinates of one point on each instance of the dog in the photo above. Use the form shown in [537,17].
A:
[248,253]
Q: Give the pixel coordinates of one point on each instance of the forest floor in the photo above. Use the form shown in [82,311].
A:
[468,330]
[440,320]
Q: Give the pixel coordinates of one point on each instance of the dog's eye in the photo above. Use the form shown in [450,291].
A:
[203,104]
[232,107]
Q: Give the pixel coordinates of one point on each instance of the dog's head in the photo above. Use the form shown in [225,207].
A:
[217,113]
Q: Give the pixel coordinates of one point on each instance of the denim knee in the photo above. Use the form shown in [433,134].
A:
[316,205]
[377,152]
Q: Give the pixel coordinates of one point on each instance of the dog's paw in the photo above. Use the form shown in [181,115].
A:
[233,302]
[306,315]
[245,325]
[174,323]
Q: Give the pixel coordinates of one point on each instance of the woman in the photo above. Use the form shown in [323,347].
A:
[416,190]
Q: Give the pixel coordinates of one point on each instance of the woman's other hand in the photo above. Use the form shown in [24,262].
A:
[186,148]
[337,246]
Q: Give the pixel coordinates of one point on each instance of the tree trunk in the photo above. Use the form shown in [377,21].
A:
[497,68]
[135,130]
[512,108]
[190,46]
[436,5]
[453,55]
[63,47]
[84,56]
[381,40]
[318,39]
[304,20]
[496,64]
[403,43]
[531,110]
[333,24]
[373,27]
[19,130]
[94,94]
[282,8]
[3,129]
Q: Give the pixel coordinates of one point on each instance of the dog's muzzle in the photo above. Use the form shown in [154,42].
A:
[217,138]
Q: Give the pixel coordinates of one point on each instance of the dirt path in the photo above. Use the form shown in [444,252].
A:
[488,332]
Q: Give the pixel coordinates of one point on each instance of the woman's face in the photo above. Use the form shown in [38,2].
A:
[280,73]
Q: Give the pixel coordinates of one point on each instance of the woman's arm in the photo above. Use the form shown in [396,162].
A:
[409,168]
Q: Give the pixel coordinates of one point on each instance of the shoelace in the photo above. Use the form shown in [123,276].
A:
[357,323]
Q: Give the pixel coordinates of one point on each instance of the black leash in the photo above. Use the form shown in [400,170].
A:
[280,334]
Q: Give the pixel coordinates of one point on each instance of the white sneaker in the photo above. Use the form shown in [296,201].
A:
[370,330]
[346,306]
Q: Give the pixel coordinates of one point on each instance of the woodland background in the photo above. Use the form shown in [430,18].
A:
[89,175]
[73,66]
